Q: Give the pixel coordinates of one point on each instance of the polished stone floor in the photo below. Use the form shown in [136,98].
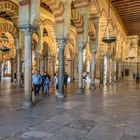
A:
[109,113]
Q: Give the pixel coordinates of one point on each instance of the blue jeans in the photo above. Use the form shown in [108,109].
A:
[36,89]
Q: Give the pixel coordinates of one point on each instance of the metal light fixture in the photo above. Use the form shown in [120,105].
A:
[4,39]
[108,38]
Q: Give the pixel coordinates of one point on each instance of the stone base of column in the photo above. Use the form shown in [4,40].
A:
[18,86]
[92,87]
[12,80]
[27,105]
[108,83]
[101,85]
[80,90]
[60,95]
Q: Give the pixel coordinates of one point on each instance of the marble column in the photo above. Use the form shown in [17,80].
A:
[46,63]
[108,71]
[37,56]
[117,71]
[28,70]
[0,69]
[12,69]
[75,68]
[72,67]
[53,66]
[37,50]
[122,70]
[93,69]
[61,44]
[80,69]
[102,70]
[113,71]
[18,66]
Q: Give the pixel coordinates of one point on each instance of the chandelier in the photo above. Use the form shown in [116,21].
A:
[108,38]
[4,43]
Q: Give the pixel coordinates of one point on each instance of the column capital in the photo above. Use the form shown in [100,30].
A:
[80,49]
[27,28]
[61,42]
[93,50]
[18,50]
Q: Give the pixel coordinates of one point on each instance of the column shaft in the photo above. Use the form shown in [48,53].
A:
[18,66]
[102,70]
[46,63]
[53,67]
[93,69]
[28,70]
[72,69]
[61,44]
[108,71]
[117,71]
[113,71]
[12,69]
[0,69]
[80,68]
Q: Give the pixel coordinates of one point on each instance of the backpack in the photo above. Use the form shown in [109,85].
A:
[46,81]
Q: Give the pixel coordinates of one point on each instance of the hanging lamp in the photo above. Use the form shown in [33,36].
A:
[108,38]
[4,39]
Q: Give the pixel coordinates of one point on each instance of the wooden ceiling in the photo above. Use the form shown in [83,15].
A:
[129,13]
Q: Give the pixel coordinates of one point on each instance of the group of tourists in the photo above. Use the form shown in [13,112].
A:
[40,81]
[43,82]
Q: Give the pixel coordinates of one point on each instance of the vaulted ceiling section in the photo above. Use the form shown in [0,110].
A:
[129,13]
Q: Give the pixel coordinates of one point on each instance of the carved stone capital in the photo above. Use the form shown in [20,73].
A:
[93,50]
[18,50]
[61,42]
[27,28]
[80,49]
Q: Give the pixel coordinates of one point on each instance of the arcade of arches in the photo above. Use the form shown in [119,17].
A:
[65,35]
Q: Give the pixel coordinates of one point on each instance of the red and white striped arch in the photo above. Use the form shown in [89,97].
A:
[10,7]
[91,30]
[77,20]
[57,8]
[7,27]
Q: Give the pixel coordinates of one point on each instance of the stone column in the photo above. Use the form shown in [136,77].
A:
[75,68]
[80,69]
[117,71]
[102,70]
[122,70]
[72,67]
[108,71]
[37,50]
[93,69]
[113,71]
[0,69]
[12,69]
[53,66]
[61,44]
[28,69]
[46,63]
[37,57]
[18,66]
